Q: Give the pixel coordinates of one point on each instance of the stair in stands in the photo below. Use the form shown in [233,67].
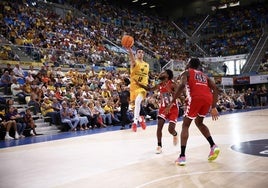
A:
[42,127]
[45,128]
[19,51]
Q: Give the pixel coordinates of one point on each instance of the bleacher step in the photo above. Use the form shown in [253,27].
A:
[46,128]
[43,124]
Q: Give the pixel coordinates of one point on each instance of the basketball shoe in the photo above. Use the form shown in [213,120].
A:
[143,123]
[7,137]
[181,161]
[134,127]
[214,152]
[158,150]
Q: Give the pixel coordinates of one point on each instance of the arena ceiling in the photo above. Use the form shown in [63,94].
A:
[155,4]
[163,7]
[171,3]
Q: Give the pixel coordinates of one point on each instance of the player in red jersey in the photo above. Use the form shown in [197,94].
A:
[202,95]
[166,88]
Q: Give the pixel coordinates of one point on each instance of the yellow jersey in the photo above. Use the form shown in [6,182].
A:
[139,73]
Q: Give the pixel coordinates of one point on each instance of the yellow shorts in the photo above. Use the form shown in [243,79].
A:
[135,92]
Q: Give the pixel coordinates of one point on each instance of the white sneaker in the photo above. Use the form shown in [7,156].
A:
[148,117]
[17,135]
[7,137]
[158,150]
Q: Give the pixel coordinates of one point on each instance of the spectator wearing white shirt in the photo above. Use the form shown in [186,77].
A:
[19,73]
[59,72]
[17,90]
[106,117]
[29,77]
[69,116]
[32,71]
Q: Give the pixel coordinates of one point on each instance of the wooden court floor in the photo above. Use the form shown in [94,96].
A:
[124,159]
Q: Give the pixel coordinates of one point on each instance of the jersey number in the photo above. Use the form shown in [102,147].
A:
[139,79]
[201,78]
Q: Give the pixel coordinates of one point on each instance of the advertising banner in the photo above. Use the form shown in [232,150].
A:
[259,79]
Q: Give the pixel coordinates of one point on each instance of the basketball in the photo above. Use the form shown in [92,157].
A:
[127,41]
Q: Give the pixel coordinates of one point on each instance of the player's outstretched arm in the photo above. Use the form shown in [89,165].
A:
[131,57]
[148,88]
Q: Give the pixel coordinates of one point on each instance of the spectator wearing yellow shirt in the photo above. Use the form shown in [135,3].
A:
[27,87]
[48,110]
[106,93]
[102,73]
[76,72]
[109,108]
[88,74]
[70,73]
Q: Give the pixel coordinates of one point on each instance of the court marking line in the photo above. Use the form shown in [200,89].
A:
[195,173]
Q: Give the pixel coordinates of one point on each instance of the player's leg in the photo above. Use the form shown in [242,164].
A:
[214,149]
[137,109]
[173,116]
[203,128]
[160,124]
[184,137]
[173,132]
[142,117]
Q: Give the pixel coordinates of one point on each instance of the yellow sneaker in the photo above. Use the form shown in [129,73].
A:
[214,152]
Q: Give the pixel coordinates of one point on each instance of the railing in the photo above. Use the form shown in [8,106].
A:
[247,67]
[257,61]
[177,66]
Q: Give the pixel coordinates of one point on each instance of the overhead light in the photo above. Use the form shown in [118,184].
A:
[145,3]
[234,4]
[222,6]
[152,6]
[134,1]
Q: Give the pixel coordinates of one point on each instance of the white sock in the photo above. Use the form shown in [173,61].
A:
[137,108]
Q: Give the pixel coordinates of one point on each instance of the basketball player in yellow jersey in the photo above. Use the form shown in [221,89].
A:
[139,72]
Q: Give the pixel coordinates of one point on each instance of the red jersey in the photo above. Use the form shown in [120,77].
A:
[197,85]
[166,96]
[166,93]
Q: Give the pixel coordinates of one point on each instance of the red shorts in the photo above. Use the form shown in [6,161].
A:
[172,116]
[197,106]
